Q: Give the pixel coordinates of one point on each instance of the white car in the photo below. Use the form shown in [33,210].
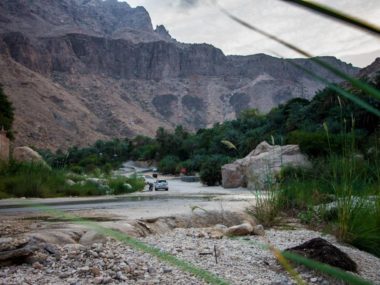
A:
[161,185]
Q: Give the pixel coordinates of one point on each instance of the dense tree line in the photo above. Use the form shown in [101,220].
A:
[299,121]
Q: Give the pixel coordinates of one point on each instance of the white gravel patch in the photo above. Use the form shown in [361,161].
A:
[245,261]
[240,261]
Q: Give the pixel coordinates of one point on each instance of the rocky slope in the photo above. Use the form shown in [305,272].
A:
[82,70]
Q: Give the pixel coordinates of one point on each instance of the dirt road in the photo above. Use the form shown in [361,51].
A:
[181,198]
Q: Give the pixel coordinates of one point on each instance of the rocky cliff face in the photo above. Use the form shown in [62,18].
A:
[81,70]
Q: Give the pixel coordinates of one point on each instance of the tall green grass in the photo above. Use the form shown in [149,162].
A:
[355,82]
[30,180]
[339,194]
[37,180]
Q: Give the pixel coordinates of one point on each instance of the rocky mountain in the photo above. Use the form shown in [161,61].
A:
[81,70]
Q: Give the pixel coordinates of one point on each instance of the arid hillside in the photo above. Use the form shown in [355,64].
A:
[81,70]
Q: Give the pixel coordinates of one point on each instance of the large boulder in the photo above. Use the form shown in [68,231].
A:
[233,176]
[26,154]
[260,167]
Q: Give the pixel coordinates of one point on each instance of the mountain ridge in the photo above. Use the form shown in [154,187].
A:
[125,78]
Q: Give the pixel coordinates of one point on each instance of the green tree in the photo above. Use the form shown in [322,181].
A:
[6,113]
[168,165]
[210,173]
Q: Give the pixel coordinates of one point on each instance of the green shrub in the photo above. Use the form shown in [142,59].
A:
[137,183]
[4,195]
[30,180]
[76,169]
[86,188]
[107,168]
[210,172]
[358,223]
[318,144]
[267,207]
[121,185]
[169,164]
[194,164]
[341,193]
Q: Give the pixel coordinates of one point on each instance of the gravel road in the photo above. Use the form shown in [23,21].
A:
[180,199]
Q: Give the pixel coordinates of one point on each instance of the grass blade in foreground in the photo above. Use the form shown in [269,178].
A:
[340,90]
[337,15]
[337,273]
[135,243]
[332,271]
[355,82]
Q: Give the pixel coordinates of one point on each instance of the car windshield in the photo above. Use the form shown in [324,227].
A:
[161,181]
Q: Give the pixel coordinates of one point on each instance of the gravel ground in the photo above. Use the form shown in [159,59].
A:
[240,261]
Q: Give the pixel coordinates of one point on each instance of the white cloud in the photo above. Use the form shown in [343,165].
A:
[195,21]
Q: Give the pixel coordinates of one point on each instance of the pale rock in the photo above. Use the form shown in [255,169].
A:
[167,270]
[240,230]
[215,234]
[258,230]
[84,269]
[98,280]
[26,154]
[91,237]
[73,247]
[37,265]
[70,182]
[259,168]
[120,276]
[220,227]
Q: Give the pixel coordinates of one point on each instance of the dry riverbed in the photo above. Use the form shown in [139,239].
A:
[238,261]
[75,255]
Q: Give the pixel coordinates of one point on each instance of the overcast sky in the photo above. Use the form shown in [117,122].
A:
[198,21]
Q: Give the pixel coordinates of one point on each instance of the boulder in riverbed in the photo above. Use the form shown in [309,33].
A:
[259,168]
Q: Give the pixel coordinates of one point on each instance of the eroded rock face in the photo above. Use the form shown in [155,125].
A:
[259,168]
[95,17]
[79,70]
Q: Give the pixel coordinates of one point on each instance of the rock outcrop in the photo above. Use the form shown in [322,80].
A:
[78,71]
[26,154]
[259,168]
[20,250]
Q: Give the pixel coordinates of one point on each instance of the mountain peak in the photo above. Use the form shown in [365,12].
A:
[163,32]
[371,70]
[94,17]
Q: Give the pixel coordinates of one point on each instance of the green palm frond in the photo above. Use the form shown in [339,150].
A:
[354,81]
[229,144]
[337,15]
